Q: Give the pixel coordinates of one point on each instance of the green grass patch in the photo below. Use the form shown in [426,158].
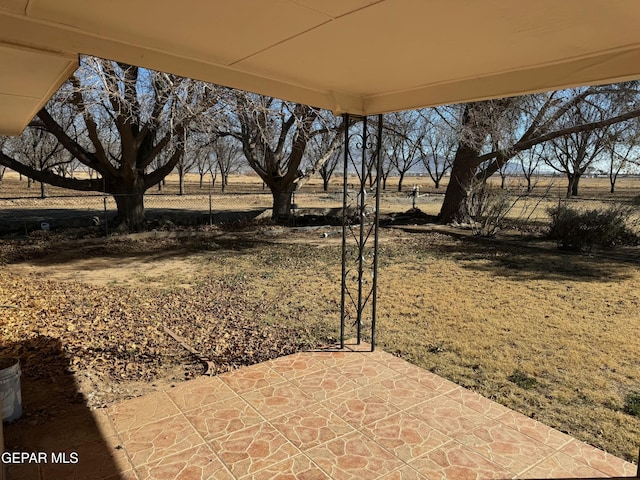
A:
[523,380]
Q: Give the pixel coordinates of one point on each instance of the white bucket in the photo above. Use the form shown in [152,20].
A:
[10,395]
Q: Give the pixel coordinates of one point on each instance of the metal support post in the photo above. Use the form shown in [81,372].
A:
[360,230]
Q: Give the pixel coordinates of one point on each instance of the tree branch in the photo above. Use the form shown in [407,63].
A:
[45,176]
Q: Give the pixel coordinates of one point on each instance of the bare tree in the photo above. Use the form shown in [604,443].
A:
[328,168]
[529,161]
[39,151]
[187,159]
[402,142]
[204,162]
[124,117]
[523,122]
[386,167]
[274,135]
[317,148]
[438,142]
[574,153]
[228,157]
[622,149]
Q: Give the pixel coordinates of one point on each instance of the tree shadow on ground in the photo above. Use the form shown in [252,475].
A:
[524,262]
[155,247]
[55,418]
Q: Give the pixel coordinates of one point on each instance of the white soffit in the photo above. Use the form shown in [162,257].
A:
[27,80]
[357,56]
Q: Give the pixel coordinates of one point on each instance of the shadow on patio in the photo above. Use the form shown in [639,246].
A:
[74,442]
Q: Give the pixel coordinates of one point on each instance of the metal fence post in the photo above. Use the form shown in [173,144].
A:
[210,208]
[106,219]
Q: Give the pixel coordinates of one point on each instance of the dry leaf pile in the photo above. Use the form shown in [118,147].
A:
[115,335]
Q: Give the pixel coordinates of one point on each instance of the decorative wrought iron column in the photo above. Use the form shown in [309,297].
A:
[360,226]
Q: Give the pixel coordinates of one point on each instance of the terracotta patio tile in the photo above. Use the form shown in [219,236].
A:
[360,407]
[560,465]
[429,380]
[402,392]
[354,456]
[504,446]
[154,441]
[128,475]
[598,459]
[456,462]
[405,436]
[413,372]
[255,448]
[295,365]
[323,384]
[139,411]
[534,429]
[404,473]
[251,378]
[222,418]
[448,416]
[296,468]
[354,347]
[199,392]
[366,373]
[477,402]
[199,463]
[384,358]
[311,426]
[277,400]
[337,359]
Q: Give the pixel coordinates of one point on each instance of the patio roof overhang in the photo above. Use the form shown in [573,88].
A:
[357,56]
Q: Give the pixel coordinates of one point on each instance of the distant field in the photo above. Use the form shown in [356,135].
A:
[626,187]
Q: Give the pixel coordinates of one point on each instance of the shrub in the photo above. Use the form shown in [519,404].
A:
[485,208]
[632,404]
[580,230]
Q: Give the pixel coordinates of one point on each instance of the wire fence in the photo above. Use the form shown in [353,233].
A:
[22,215]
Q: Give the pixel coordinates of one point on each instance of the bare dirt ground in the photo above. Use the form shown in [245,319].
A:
[550,334]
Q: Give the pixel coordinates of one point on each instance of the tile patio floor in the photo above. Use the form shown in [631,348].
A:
[320,415]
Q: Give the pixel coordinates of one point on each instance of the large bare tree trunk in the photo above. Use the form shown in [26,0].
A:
[462,175]
[128,192]
[180,182]
[281,202]
[130,203]
[131,210]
